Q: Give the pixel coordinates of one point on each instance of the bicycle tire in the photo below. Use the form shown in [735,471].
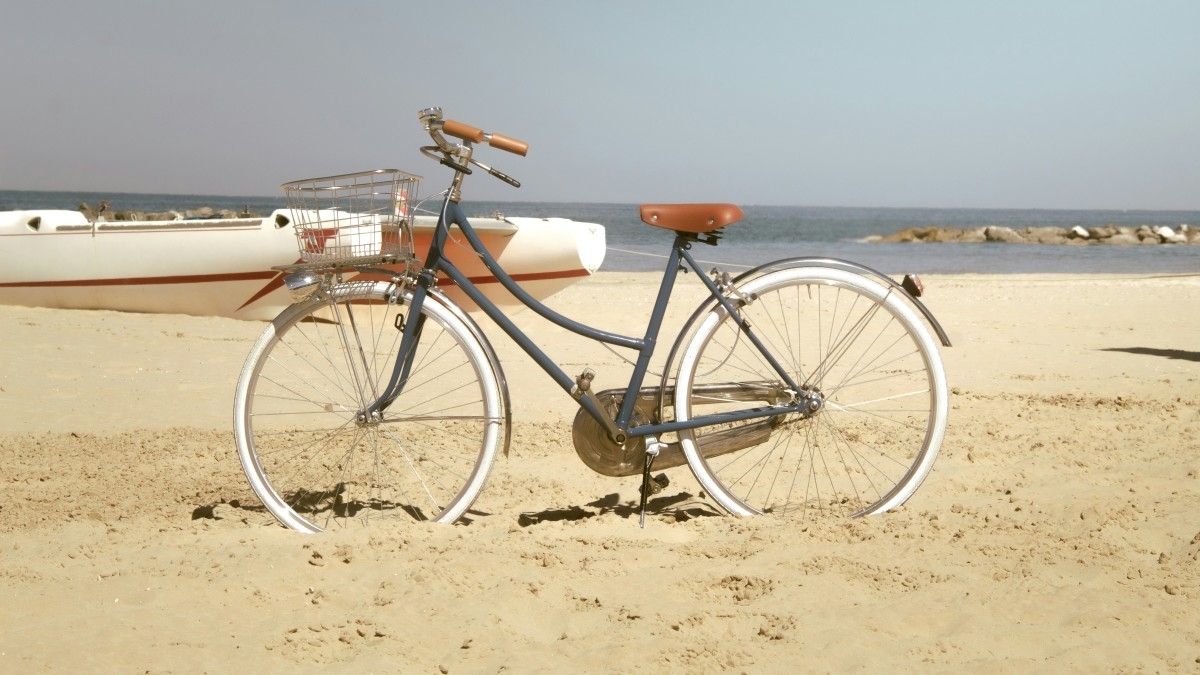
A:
[304,447]
[864,356]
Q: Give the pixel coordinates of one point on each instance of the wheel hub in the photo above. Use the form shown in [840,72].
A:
[362,419]
[810,401]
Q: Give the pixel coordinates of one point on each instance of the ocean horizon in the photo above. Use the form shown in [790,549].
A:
[773,232]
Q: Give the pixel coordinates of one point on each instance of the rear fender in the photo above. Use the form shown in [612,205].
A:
[790,263]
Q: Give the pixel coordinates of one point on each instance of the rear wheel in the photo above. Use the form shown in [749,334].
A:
[869,374]
[311,456]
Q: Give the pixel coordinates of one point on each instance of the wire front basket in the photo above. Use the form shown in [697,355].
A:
[354,217]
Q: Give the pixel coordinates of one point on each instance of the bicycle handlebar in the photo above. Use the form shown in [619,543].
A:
[467,132]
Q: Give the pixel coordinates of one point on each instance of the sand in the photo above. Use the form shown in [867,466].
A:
[1057,533]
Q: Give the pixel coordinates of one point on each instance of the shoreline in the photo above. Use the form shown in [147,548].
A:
[880,223]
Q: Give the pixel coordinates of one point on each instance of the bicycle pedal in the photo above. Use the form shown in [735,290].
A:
[658,483]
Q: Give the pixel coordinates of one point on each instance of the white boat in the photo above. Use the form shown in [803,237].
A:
[222,267]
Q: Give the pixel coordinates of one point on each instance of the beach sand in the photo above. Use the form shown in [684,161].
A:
[1057,533]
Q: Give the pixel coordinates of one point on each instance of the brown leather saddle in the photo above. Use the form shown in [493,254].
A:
[691,218]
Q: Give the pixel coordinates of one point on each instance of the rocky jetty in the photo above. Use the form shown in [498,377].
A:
[1109,234]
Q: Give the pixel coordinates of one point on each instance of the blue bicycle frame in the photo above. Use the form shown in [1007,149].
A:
[435,263]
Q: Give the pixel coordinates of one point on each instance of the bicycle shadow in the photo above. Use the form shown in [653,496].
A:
[682,507]
[219,510]
[253,510]
[1177,354]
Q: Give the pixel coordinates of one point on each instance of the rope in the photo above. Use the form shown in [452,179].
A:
[663,257]
[1084,277]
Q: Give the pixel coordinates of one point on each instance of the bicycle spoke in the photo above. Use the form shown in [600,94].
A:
[875,410]
[313,455]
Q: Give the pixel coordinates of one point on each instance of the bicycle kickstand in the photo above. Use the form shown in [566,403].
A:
[649,485]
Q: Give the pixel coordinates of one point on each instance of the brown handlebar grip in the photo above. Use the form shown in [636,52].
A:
[463,131]
[509,144]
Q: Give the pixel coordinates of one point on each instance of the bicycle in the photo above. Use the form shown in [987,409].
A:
[806,386]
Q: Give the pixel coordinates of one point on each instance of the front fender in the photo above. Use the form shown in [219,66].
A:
[435,295]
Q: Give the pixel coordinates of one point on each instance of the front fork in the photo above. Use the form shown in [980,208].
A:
[410,338]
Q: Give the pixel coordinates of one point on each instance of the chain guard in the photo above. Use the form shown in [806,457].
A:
[606,457]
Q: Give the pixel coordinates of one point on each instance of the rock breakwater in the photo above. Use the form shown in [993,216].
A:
[1109,234]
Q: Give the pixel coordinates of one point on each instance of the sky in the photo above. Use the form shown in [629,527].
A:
[1088,104]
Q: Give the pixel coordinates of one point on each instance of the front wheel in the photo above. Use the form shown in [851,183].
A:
[312,456]
[869,376]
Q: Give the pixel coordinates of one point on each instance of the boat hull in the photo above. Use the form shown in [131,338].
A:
[55,258]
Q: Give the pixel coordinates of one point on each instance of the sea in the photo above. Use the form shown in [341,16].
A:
[773,232]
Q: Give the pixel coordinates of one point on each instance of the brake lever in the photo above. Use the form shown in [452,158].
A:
[435,153]
[446,161]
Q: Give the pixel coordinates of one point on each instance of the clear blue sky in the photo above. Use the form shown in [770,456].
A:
[1038,104]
